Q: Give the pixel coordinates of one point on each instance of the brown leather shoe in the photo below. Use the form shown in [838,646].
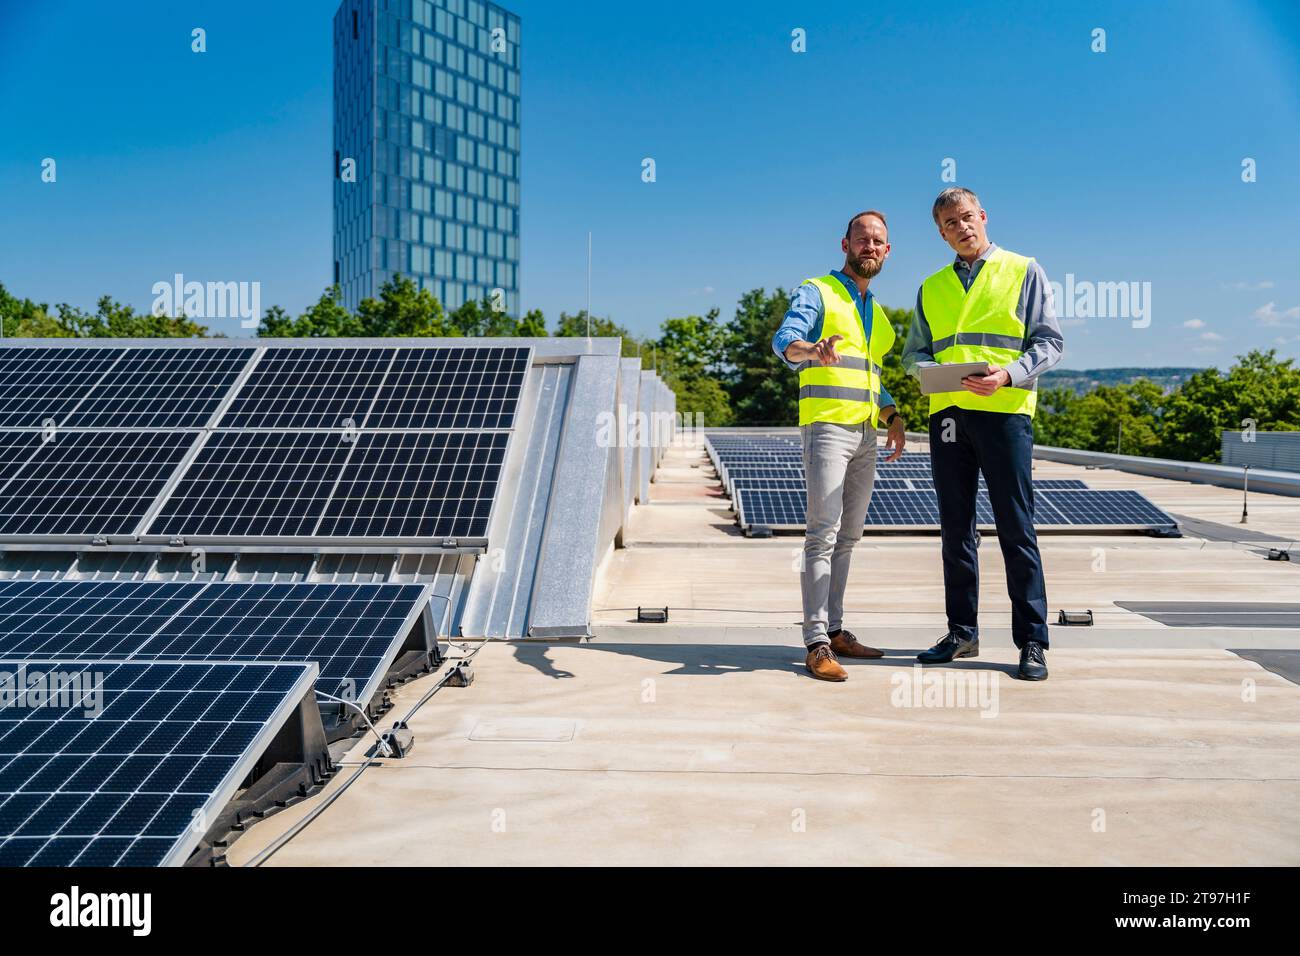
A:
[822,664]
[846,645]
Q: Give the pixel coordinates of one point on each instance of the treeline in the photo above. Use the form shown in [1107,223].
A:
[725,369]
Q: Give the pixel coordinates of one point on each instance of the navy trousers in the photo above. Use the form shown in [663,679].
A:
[964,443]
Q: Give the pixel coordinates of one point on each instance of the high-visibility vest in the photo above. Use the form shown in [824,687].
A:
[980,325]
[848,393]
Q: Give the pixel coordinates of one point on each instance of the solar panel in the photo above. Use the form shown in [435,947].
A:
[256,484]
[124,762]
[15,449]
[39,385]
[771,507]
[762,471]
[304,388]
[462,388]
[320,484]
[1099,507]
[352,631]
[767,484]
[160,388]
[1040,484]
[88,483]
[885,470]
[792,458]
[892,484]
[908,508]
[409,485]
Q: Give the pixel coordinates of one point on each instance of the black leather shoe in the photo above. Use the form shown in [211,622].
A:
[1033,662]
[950,649]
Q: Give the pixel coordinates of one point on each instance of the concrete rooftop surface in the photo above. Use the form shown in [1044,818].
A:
[704,740]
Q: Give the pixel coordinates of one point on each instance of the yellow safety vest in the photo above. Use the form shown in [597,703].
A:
[980,325]
[848,393]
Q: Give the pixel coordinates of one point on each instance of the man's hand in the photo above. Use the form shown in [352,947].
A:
[997,378]
[822,352]
[897,437]
[825,350]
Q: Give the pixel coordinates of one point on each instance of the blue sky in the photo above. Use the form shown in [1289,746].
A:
[1122,166]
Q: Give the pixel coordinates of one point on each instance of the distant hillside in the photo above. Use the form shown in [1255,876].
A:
[1082,382]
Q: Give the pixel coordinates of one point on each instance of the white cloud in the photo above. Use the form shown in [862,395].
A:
[1193,324]
[1211,337]
[1268,313]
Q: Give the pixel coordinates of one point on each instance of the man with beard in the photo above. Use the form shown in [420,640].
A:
[836,336]
[993,306]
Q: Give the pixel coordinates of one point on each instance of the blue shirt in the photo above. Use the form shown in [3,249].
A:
[804,321]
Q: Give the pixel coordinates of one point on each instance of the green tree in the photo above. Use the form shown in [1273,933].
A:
[1124,418]
[691,354]
[403,309]
[326,317]
[111,319]
[23,318]
[903,388]
[480,319]
[1260,387]
[762,389]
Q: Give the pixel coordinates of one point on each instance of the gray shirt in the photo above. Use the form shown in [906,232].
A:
[1044,343]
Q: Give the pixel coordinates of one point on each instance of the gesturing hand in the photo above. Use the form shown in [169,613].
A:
[825,349]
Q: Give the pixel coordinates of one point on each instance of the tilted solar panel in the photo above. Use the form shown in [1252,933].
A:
[123,764]
[352,631]
[1099,507]
[457,388]
[160,388]
[88,483]
[307,388]
[256,484]
[404,485]
[39,386]
[332,484]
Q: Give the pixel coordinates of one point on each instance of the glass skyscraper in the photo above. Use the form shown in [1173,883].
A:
[426,117]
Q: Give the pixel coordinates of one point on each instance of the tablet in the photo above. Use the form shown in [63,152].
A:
[947,378]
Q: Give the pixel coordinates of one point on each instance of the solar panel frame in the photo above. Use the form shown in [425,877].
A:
[135,778]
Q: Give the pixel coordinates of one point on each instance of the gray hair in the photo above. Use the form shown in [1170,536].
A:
[950,197]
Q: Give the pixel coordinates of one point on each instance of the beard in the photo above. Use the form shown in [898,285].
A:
[866,268]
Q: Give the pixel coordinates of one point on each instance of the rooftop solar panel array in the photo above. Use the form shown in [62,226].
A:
[115,767]
[765,477]
[232,443]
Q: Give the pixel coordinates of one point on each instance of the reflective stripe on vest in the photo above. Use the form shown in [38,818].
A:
[847,393]
[980,325]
